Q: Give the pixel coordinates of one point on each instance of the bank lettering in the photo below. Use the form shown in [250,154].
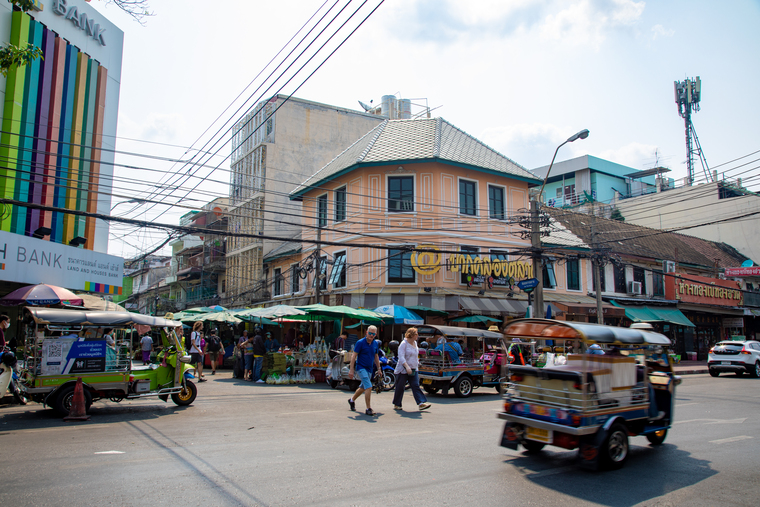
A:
[41,258]
[81,21]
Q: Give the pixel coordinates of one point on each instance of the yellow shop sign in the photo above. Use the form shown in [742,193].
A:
[428,263]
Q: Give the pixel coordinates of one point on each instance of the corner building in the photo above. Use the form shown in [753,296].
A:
[59,117]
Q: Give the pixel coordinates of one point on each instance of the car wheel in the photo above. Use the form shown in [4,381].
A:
[532,447]
[614,450]
[66,396]
[658,437]
[186,396]
[755,372]
[714,372]
[463,387]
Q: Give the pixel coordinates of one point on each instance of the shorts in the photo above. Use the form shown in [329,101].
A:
[216,356]
[195,358]
[365,377]
[248,361]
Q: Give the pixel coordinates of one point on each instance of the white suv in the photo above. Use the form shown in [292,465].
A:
[737,357]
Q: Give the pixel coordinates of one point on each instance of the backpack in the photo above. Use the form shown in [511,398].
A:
[214,344]
[189,342]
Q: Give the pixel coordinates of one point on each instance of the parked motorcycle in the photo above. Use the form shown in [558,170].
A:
[9,378]
[340,366]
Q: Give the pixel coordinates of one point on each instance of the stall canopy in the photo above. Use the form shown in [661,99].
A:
[400,315]
[341,312]
[655,314]
[426,310]
[476,318]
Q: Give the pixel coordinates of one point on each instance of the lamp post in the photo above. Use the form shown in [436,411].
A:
[535,232]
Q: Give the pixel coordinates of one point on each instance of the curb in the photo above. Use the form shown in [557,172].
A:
[692,372]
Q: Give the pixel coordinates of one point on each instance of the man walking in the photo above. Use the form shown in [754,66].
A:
[215,349]
[146,345]
[364,356]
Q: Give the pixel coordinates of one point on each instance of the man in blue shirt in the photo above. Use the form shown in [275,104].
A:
[271,344]
[453,349]
[362,360]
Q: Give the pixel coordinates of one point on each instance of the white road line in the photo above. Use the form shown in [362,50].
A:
[730,439]
[110,452]
[686,404]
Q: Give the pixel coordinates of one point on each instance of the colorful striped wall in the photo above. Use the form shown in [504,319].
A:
[51,135]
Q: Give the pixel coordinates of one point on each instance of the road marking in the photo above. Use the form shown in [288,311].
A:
[713,421]
[730,439]
[686,404]
[110,452]
[306,412]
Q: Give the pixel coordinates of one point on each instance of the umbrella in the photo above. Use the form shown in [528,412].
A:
[91,302]
[41,294]
[271,312]
[224,316]
[475,318]
[429,311]
[342,311]
[401,315]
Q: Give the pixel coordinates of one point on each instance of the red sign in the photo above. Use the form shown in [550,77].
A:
[737,272]
[703,290]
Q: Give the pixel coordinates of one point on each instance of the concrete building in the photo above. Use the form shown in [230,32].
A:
[276,147]
[59,120]
[587,179]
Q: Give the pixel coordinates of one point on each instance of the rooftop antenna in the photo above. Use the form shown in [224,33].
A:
[688,94]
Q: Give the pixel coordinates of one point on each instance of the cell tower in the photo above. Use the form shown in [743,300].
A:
[688,95]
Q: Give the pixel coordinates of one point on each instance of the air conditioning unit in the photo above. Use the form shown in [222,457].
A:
[668,267]
[634,288]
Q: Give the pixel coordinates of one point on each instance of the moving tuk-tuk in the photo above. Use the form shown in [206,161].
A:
[441,370]
[589,389]
[63,345]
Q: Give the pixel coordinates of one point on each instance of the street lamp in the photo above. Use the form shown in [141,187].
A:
[131,201]
[535,233]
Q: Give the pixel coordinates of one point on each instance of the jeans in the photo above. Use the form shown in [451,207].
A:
[414,382]
[258,361]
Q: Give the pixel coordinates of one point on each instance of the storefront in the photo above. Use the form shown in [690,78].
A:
[587,312]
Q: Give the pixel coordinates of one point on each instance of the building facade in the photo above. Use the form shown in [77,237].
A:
[415,213]
[274,148]
[59,120]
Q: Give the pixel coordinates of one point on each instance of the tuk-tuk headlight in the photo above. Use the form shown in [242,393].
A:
[185,359]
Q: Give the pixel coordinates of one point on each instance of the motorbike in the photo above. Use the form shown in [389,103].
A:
[9,378]
[339,368]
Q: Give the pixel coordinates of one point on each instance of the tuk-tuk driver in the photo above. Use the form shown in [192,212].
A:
[453,348]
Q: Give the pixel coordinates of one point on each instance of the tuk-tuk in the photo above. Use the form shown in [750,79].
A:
[589,389]
[441,370]
[63,345]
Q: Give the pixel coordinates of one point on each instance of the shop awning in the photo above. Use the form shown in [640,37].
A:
[755,313]
[493,306]
[655,314]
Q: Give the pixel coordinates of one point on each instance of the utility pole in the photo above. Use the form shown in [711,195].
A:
[319,264]
[597,261]
[535,243]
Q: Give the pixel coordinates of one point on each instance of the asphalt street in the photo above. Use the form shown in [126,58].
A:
[257,444]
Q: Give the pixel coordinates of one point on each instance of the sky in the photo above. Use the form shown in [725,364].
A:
[520,75]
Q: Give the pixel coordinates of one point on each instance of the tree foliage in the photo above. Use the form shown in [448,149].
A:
[617,215]
[11,55]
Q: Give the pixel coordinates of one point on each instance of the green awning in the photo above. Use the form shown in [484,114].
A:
[655,314]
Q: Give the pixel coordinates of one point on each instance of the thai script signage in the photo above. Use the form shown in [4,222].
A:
[739,272]
[504,272]
[708,291]
[31,260]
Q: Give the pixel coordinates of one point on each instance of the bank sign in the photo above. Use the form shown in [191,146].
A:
[80,20]
[31,260]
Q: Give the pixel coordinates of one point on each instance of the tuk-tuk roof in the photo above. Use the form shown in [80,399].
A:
[451,331]
[588,333]
[60,317]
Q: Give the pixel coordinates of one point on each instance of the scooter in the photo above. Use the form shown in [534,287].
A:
[9,378]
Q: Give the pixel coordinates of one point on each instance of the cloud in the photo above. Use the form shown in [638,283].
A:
[587,22]
[635,155]
[661,31]
[530,145]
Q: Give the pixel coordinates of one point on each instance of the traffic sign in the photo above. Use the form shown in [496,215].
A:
[528,285]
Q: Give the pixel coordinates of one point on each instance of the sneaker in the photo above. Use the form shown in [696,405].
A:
[260,381]
[352,404]
[213,373]
[396,407]
[201,380]
[424,406]
[369,411]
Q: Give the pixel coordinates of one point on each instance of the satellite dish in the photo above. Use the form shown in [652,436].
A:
[747,264]
[365,106]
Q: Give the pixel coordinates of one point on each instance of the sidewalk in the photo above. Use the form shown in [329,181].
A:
[690,367]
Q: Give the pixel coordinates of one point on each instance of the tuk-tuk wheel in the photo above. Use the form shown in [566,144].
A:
[463,387]
[531,446]
[186,396]
[614,451]
[64,398]
[658,437]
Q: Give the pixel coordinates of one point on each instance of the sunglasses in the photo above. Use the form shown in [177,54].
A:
[372,334]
